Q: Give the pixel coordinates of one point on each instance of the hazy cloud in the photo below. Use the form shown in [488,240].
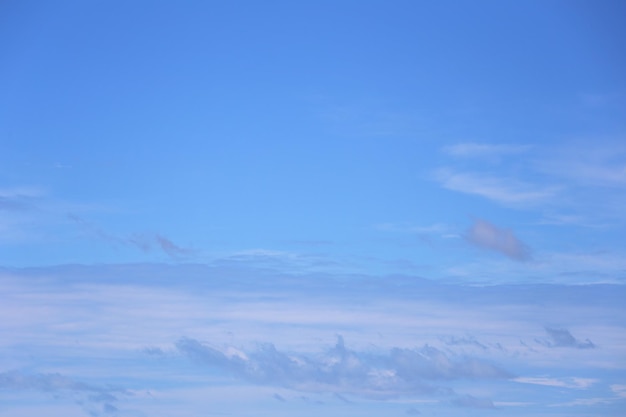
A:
[93,398]
[483,149]
[595,163]
[279,397]
[143,242]
[170,247]
[488,236]
[19,198]
[473,402]
[619,390]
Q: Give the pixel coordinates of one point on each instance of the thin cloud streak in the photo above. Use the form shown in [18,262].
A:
[470,150]
[501,190]
[574,383]
[19,198]
[579,182]
[143,242]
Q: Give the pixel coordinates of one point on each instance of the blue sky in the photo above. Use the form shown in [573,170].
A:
[352,207]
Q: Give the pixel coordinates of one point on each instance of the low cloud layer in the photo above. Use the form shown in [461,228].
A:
[488,236]
[400,371]
[411,344]
[95,400]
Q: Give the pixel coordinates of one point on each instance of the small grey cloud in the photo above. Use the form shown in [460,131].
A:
[487,235]
[563,338]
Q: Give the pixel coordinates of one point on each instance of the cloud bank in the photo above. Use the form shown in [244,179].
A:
[94,399]
[400,371]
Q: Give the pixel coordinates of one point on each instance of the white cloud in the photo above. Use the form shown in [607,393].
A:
[574,383]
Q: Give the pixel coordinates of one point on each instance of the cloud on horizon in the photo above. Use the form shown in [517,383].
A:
[92,398]
[488,236]
[400,371]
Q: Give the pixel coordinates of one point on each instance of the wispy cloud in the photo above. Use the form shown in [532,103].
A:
[578,182]
[144,242]
[19,198]
[503,190]
[437,228]
[574,383]
[593,163]
[487,235]
[169,247]
[619,390]
[473,402]
[93,398]
[471,149]
[584,402]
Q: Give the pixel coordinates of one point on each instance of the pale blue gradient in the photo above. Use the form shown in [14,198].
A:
[427,195]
